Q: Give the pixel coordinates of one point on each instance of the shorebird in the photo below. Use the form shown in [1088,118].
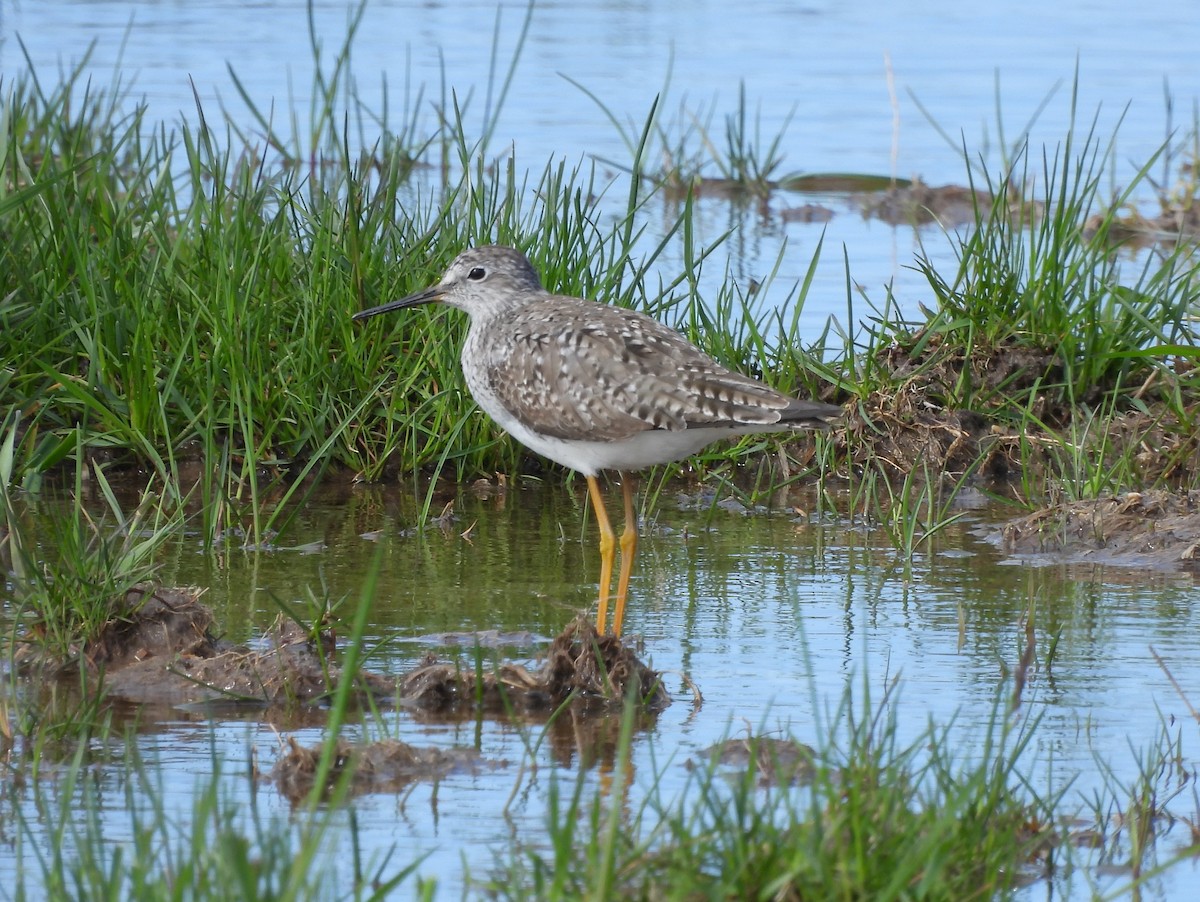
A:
[595,387]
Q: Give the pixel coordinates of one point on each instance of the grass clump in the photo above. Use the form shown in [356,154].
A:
[866,815]
[180,300]
[694,161]
[1051,359]
[75,579]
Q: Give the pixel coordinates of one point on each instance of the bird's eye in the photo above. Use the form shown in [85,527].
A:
[478,274]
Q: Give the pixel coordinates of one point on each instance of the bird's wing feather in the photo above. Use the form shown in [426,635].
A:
[605,374]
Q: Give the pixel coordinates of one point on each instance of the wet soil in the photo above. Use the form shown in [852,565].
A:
[163,650]
[1021,429]
[1158,529]
[388,765]
[917,421]
[1021,438]
[597,672]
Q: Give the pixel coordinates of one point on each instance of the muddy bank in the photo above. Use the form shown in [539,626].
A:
[1022,441]
[164,649]
[1158,529]
[1020,432]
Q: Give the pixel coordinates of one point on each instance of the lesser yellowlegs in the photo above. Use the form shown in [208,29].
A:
[595,387]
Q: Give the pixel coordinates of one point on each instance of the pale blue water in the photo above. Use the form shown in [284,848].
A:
[767,616]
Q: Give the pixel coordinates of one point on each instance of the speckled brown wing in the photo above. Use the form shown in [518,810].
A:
[587,371]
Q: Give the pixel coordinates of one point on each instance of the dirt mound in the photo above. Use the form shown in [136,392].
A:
[1020,425]
[1142,529]
[385,766]
[919,419]
[597,671]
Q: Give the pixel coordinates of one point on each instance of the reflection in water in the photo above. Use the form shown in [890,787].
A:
[773,615]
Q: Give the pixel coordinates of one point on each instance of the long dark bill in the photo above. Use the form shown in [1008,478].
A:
[428,296]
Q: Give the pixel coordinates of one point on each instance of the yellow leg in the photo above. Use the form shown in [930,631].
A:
[629,543]
[608,550]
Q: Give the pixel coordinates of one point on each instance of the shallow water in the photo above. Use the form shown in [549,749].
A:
[772,613]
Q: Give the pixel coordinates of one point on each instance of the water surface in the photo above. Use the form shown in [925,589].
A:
[773,614]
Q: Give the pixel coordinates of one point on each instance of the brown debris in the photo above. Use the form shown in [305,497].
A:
[916,203]
[953,440]
[388,765]
[1156,529]
[776,762]
[929,367]
[157,623]
[289,670]
[916,421]
[163,651]
[167,622]
[580,664]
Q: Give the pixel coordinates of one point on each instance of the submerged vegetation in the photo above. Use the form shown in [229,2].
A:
[175,310]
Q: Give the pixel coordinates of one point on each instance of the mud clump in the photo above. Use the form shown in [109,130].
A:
[775,762]
[1020,422]
[1178,221]
[292,667]
[156,623]
[1157,529]
[592,674]
[388,765]
[917,203]
[162,649]
[592,670]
